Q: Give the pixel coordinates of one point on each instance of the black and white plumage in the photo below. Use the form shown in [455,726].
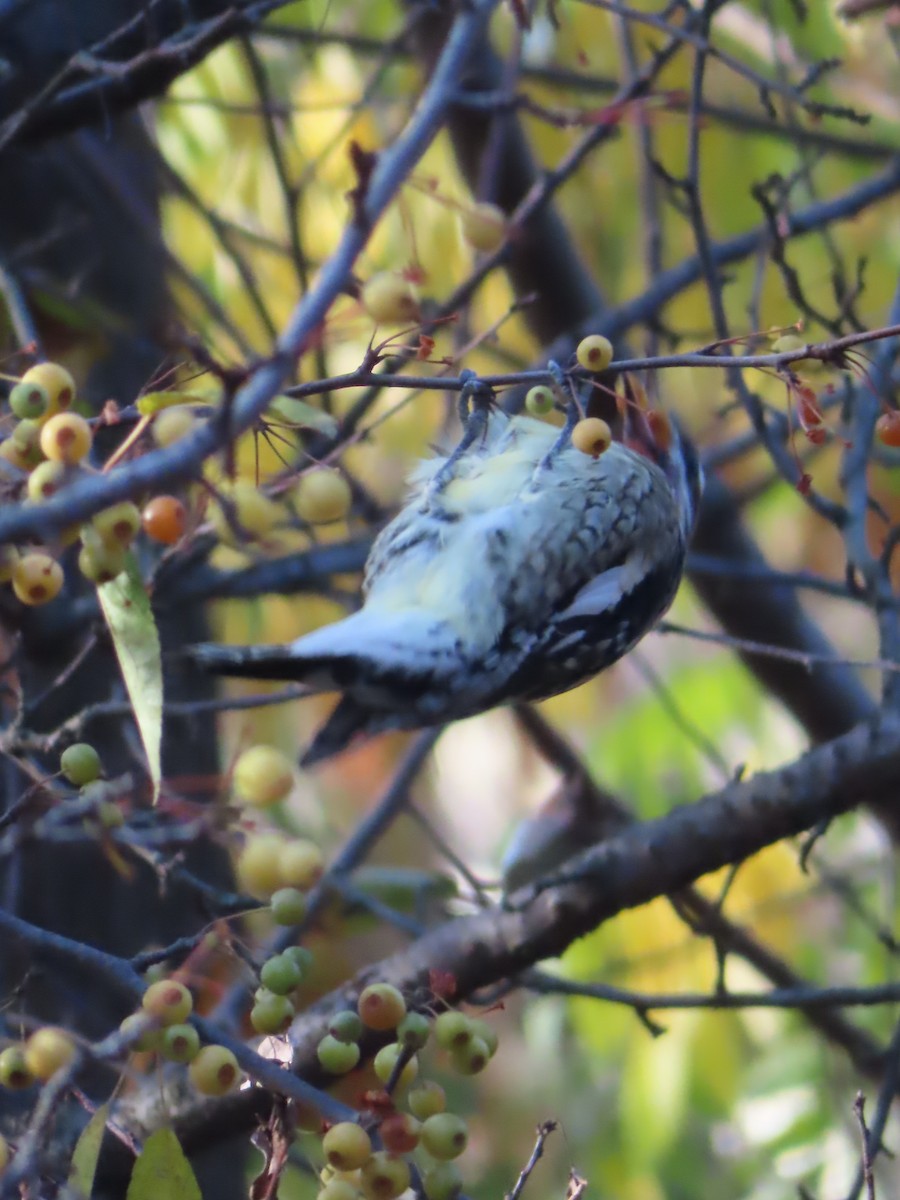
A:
[518,568]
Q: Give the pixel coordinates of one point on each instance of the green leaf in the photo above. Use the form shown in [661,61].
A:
[162,1170]
[126,607]
[87,1151]
[154,402]
[298,412]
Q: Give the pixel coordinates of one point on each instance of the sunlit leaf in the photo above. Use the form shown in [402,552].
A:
[162,1170]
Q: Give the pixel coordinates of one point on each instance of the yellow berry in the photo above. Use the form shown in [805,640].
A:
[347,1146]
[484,226]
[214,1071]
[244,514]
[390,299]
[14,455]
[172,424]
[101,564]
[37,578]
[15,1073]
[386,1060]
[27,437]
[66,438]
[45,481]
[384,1177]
[300,864]
[169,1001]
[258,869]
[56,381]
[262,776]
[381,1006]
[118,525]
[595,353]
[321,496]
[592,436]
[47,1051]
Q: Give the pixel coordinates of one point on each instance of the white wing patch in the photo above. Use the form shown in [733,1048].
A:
[602,593]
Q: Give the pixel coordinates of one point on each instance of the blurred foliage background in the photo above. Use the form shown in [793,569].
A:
[255,175]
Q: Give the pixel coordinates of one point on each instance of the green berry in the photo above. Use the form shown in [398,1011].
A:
[384,1177]
[471,1058]
[80,764]
[301,956]
[168,1001]
[442,1181]
[346,1026]
[288,906]
[386,1060]
[45,481]
[280,974]
[337,1058]
[445,1135]
[29,401]
[539,400]
[102,563]
[271,1013]
[426,1099]
[452,1030]
[215,1071]
[14,1071]
[180,1043]
[118,525]
[381,1006]
[487,1033]
[413,1031]
[347,1146]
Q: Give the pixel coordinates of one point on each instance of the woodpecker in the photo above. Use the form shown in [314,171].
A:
[518,568]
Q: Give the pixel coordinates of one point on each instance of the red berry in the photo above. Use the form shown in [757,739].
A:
[164,519]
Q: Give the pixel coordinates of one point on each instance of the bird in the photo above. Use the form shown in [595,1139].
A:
[518,567]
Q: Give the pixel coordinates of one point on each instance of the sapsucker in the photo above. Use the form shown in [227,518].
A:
[518,567]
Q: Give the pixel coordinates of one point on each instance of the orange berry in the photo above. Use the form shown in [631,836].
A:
[887,428]
[37,578]
[592,436]
[66,438]
[164,519]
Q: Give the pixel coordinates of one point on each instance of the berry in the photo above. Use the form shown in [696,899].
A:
[452,1030]
[386,1060]
[339,1189]
[426,1099]
[80,764]
[300,864]
[172,424]
[887,428]
[413,1031]
[180,1043]
[445,1135]
[381,1006]
[337,1058]
[100,563]
[214,1071]
[149,1037]
[57,383]
[442,1181]
[595,353]
[280,974]
[347,1146]
[487,1033]
[301,956]
[288,906]
[118,525]
[15,1073]
[786,343]
[262,776]
[592,436]
[346,1026]
[29,401]
[384,1177]
[539,400]
[244,514]
[27,438]
[271,1013]
[4,1154]
[37,578]
[164,519]
[168,1001]
[47,1051]
[9,556]
[66,438]
[321,496]
[45,481]
[258,869]
[390,299]
[471,1058]
[484,226]
[12,454]
[399,1133]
